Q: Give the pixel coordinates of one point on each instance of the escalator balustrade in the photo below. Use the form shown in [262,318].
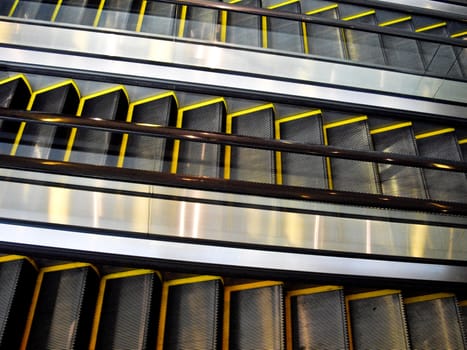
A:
[434,322]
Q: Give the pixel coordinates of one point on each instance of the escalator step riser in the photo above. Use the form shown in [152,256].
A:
[63,308]
[316,319]
[254,316]
[377,320]
[128,311]
[434,320]
[191,312]
[17,280]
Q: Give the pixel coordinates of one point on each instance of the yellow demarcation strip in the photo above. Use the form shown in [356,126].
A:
[99,13]
[359,15]
[281,4]
[228,130]
[373,294]
[176,148]
[82,101]
[15,77]
[56,10]
[227,292]
[142,11]
[13,8]
[430,27]
[288,307]
[264,22]
[322,9]
[165,297]
[100,298]
[395,21]
[22,126]
[434,133]
[306,47]
[224,24]
[181,29]
[277,131]
[390,128]
[428,297]
[458,35]
[8,258]
[463,303]
[37,289]
[326,142]
[463,141]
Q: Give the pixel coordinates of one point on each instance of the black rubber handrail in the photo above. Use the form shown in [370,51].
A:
[234,140]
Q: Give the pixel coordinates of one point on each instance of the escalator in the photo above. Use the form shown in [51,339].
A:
[70,305]
[292,35]
[234,116]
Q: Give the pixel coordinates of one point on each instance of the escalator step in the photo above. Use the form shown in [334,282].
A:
[17,280]
[398,180]
[377,320]
[254,316]
[298,169]
[463,146]
[63,307]
[245,163]
[442,144]
[34,9]
[316,318]
[191,312]
[94,146]
[198,23]
[15,93]
[159,18]
[194,158]
[349,175]
[146,152]
[77,12]
[283,34]
[463,311]
[242,28]
[36,140]
[434,322]
[118,14]
[127,311]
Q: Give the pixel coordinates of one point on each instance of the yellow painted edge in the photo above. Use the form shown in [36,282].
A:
[349,323]
[395,21]
[463,303]
[56,86]
[253,109]
[194,279]
[390,128]
[32,309]
[463,141]
[288,324]
[162,317]
[97,314]
[434,133]
[67,266]
[17,76]
[322,9]
[252,285]
[181,29]
[328,160]
[99,13]
[56,10]
[223,34]
[226,322]
[457,35]
[13,8]
[284,3]
[121,153]
[264,29]
[373,294]
[345,122]
[430,27]
[427,297]
[313,290]
[106,91]
[8,258]
[306,47]
[359,15]
[176,147]
[298,116]
[150,99]
[142,10]
[18,137]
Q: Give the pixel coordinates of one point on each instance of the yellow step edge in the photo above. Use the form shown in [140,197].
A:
[395,21]
[428,297]
[458,35]
[100,8]
[313,290]
[181,29]
[345,122]
[228,130]
[13,8]
[306,47]
[322,9]
[179,123]
[56,10]
[15,77]
[463,303]
[264,31]
[359,15]
[252,285]
[223,31]
[430,27]
[194,279]
[131,273]
[281,4]
[372,294]
[434,133]
[298,116]
[390,128]
[463,141]
[142,11]
[8,258]
[68,266]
